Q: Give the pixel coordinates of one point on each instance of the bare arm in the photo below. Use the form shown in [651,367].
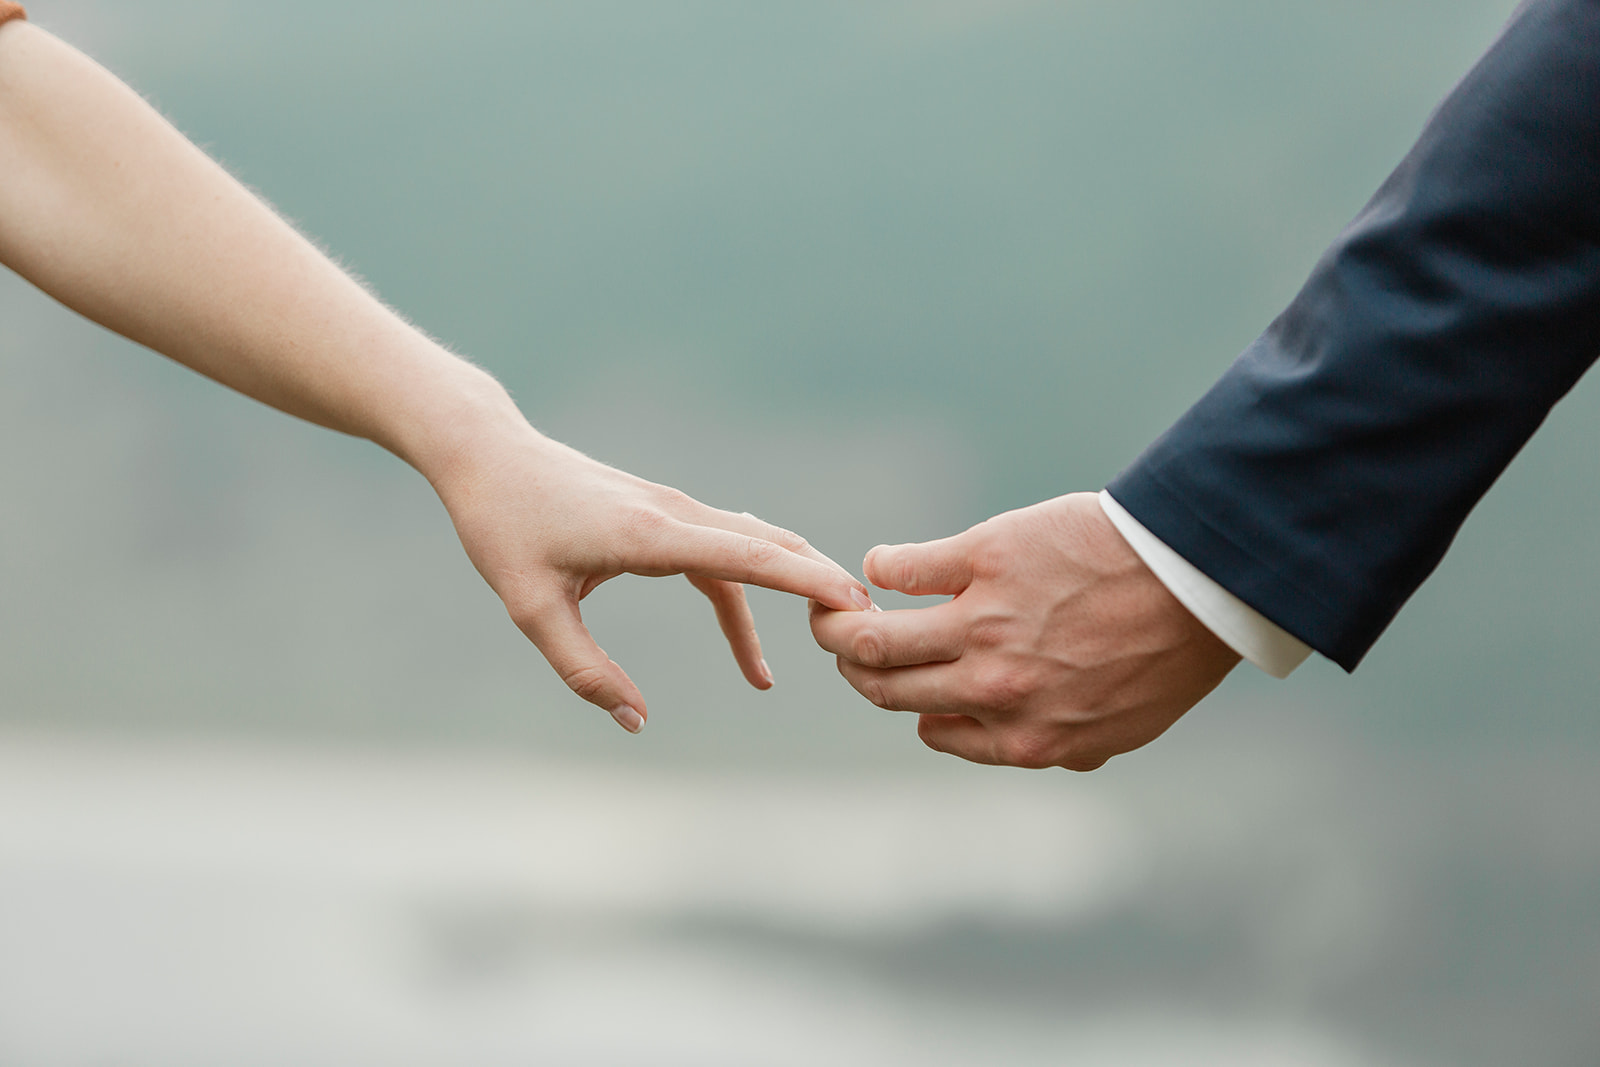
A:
[109,209]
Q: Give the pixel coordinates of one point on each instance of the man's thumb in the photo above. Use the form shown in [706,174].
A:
[942,567]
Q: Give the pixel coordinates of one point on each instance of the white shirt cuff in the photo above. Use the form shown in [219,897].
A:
[1244,629]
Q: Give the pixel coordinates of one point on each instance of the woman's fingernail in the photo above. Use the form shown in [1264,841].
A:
[766,672]
[627,718]
[860,600]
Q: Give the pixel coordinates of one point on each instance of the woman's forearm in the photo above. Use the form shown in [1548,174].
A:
[108,208]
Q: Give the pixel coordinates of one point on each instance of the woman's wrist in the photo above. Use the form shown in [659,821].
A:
[458,415]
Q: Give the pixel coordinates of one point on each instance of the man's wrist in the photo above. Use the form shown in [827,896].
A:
[1243,628]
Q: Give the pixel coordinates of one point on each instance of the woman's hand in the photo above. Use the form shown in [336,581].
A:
[108,208]
[545,525]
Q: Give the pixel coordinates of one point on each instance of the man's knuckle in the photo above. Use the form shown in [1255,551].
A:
[876,693]
[1028,749]
[870,649]
[987,631]
[990,560]
[1003,686]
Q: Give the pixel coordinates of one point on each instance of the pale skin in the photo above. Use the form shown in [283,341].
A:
[1058,647]
[109,209]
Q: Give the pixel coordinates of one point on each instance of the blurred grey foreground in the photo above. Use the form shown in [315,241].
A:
[203,903]
[194,903]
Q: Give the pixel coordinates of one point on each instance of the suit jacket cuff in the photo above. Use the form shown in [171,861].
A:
[1244,629]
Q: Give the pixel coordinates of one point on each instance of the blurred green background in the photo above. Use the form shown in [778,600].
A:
[874,271]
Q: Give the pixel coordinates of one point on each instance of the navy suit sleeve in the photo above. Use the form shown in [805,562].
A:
[1323,477]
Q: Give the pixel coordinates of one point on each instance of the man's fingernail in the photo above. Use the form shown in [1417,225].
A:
[860,600]
[766,672]
[627,718]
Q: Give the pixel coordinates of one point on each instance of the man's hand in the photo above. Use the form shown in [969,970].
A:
[545,525]
[1060,647]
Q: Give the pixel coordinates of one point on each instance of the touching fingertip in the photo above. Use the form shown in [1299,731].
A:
[861,600]
[627,718]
